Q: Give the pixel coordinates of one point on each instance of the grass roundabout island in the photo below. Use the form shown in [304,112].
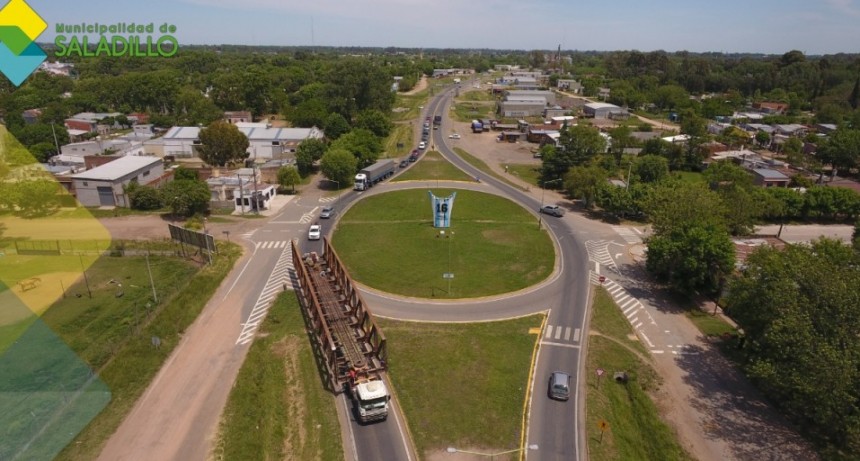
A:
[493,246]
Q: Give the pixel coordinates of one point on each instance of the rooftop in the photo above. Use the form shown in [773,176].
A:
[767,173]
[118,168]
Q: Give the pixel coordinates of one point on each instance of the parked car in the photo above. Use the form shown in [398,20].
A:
[327,212]
[559,385]
[454,136]
[552,210]
[314,232]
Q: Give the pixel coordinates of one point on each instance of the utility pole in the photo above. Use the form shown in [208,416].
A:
[151,282]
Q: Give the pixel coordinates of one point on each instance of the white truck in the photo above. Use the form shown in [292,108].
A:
[371,175]
[370,397]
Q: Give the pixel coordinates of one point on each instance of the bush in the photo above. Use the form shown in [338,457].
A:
[143,198]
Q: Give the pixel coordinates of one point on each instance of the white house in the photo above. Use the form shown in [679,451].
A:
[105,185]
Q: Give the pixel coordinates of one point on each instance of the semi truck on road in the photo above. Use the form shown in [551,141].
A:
[371,175]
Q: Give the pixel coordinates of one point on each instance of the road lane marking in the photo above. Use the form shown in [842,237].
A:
[558,333]
[650,344]
[548,331]
[567,334]
[576,335]
[550,343]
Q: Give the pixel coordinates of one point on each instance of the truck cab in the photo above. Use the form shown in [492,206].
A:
[371,399]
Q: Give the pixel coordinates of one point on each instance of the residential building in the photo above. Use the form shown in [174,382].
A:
[530,108]
[767,177]
[826,128]
[771,107]
[791,129]
[506,67]
[75,152]
[548,96]
[57,68]
[31,116]
[105,185]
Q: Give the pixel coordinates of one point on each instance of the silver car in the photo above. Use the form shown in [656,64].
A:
[559,385]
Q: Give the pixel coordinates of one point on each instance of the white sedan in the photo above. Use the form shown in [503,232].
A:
[454,136]
[314,232]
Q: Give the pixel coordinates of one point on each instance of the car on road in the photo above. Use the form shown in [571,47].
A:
[454,136]
[422,145]
[327,212]
[559,385]
[404,163]
[552,210]
[314,232]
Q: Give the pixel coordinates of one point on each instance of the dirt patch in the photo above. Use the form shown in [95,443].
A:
[288,350]
[37,293]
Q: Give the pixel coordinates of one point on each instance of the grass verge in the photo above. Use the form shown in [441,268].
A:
[400,134]
[432,167]
[479,164]
[634,428]
[492,247]
[473,399]
[527,172]
[278,397]
[107,336]
[406,106]
[467,111]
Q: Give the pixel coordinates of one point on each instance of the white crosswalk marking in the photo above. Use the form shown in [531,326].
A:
[628,234]
[279,279]
[306,218]
[630,307]
[273,245]
[598,251]
[328,199]
[556,333]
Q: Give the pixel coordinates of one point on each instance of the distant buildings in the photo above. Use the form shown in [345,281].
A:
[265,142]
[105,185]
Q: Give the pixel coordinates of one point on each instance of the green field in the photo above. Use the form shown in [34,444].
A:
[432,167]
[278,397]
[475,95]
[479,164]
[410,103]
[634,428]
[113,334]
[474,399]
[494,246]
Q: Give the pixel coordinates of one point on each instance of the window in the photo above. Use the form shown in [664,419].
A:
[85,184]
[146,173]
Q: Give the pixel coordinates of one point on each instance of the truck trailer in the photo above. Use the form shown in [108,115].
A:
[374,173]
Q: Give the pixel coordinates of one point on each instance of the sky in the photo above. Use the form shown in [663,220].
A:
[755,26]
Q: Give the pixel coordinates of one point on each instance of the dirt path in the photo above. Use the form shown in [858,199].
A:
[421,85]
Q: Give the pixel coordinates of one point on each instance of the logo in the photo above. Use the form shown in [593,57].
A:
[19,28]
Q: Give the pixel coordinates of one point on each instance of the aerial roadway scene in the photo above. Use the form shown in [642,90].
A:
[388,231]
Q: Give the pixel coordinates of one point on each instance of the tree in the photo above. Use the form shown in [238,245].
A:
[799,308]
[363,144]
[143,197]
[841,149]
[675,203]
[691,259]
[374,121]
[288,176]
[579,144]
[651,168]
[584,183]
[308,152]
[185,173]
[762,138]
[185,197]
[222,143]
[335,126]
[43,151]
[339,165]
[37,197]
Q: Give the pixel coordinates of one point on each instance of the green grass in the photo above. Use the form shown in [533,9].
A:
[635,430]
[479,164]
[432,167]
[115,333]
[476,394]
[467,111]
[526,172]
[689,176]
[82,212]
[278,397]
[496,246]
[402,134]
[410,103]
[709,325]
